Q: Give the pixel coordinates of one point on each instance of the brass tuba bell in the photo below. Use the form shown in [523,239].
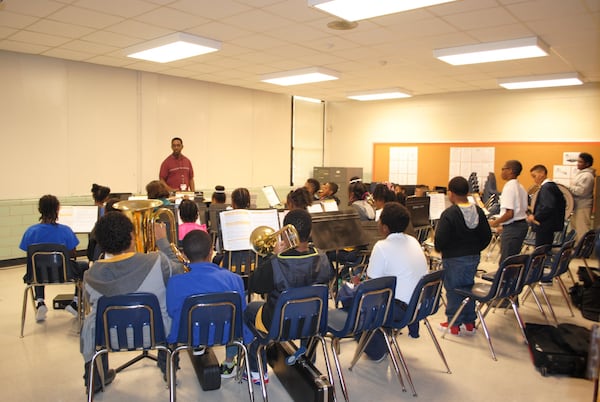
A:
[264,239]
[143,214]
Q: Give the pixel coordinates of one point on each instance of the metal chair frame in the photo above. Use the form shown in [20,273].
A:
[369,311]
[55,250]
[424,302]
[211,314]
[144,332]
[505,283]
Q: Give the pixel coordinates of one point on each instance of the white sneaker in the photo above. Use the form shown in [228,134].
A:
[41,311]
[72,309]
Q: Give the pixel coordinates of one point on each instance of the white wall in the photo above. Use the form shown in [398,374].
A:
[66,125]
[565,114]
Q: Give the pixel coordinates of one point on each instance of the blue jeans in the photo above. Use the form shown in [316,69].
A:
[460,274]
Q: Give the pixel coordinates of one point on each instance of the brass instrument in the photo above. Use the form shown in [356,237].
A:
[144,214]
[264,239]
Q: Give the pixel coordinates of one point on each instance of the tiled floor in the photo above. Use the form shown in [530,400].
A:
[46,364]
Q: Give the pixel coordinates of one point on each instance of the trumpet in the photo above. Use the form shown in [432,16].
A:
[264,239]
[144,214]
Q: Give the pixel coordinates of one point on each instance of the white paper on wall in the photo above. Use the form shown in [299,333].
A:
[403,165]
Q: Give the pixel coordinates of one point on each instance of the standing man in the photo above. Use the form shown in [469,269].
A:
[582,189]
[176,171]
[460,235]
[511,223]
[549,210]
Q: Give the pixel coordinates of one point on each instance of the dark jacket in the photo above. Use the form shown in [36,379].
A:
[290,269]
[549,208]
[462,231]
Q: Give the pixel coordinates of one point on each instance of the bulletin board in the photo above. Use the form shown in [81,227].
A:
[433,163]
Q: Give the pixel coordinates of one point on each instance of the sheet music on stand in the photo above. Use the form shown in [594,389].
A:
[238,224]
[437,205]
[80,218]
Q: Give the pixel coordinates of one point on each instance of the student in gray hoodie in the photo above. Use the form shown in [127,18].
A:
[582,188]
[460,235]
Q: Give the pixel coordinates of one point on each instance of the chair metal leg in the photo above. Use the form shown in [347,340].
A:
[327,364]
[437,344]
[172,374]
[565,294]
[261,370]
[24,311]
[518,317]
[402,361]
[365,338]
[531,290]
[243,362]
[335,347]
[453,320]
[547,300]
[486,332]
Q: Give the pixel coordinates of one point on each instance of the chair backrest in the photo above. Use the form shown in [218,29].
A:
[210,319]
[300,313]
[508,277]
[535,266]
[585,246]
[560,261]
[425,298]
[371,305]
[129,322]
[48,263]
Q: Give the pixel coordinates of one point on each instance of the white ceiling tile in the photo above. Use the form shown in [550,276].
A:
[36,8]
[15,20]
[120,8]
[39,38]
[172,19]
[81,16]
[59,28]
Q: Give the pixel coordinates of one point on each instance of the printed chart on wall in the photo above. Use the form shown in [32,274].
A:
[564,174]
[403,165]
[473,163]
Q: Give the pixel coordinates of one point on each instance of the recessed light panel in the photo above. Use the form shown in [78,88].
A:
[493,51]
[173,47]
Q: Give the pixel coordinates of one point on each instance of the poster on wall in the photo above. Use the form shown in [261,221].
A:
[570,158]
[467,160]
[403,165]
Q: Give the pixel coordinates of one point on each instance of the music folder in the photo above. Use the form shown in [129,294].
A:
[80,218]
[238,224]
[272,196]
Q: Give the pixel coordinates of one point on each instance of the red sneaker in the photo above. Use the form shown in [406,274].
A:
[454,330]
[468,328]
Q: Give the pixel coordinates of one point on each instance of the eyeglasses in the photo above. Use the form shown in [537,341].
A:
[505,168]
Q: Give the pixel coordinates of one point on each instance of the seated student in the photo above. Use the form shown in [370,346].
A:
[400,194]
[313,186]
[94,251]
[156,190]
[125,271]
[218,196]
[357,195]
[188,212]
[100,195]
[328,191]
[421,190]
[382,195]
[298,267]
[298,199]
[240,198]
[50,231]
[399,255]
[204,277]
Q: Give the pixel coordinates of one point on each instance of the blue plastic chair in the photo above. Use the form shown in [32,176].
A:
[368,312]
[559,265]
[424,302]
[505,284]
[212,319]
[300,314]
[48,264]
[126,323]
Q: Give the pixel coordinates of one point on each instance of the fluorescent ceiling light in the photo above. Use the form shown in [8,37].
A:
[493,51]
[379,94]
[173,47]
[541,81]
[354,10]
[302,76]
[307,99]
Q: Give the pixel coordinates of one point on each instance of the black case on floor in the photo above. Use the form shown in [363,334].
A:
[302,380]
[61,301]
[207,369]
[559,350]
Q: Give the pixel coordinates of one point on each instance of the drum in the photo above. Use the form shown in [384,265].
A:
[570,203]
